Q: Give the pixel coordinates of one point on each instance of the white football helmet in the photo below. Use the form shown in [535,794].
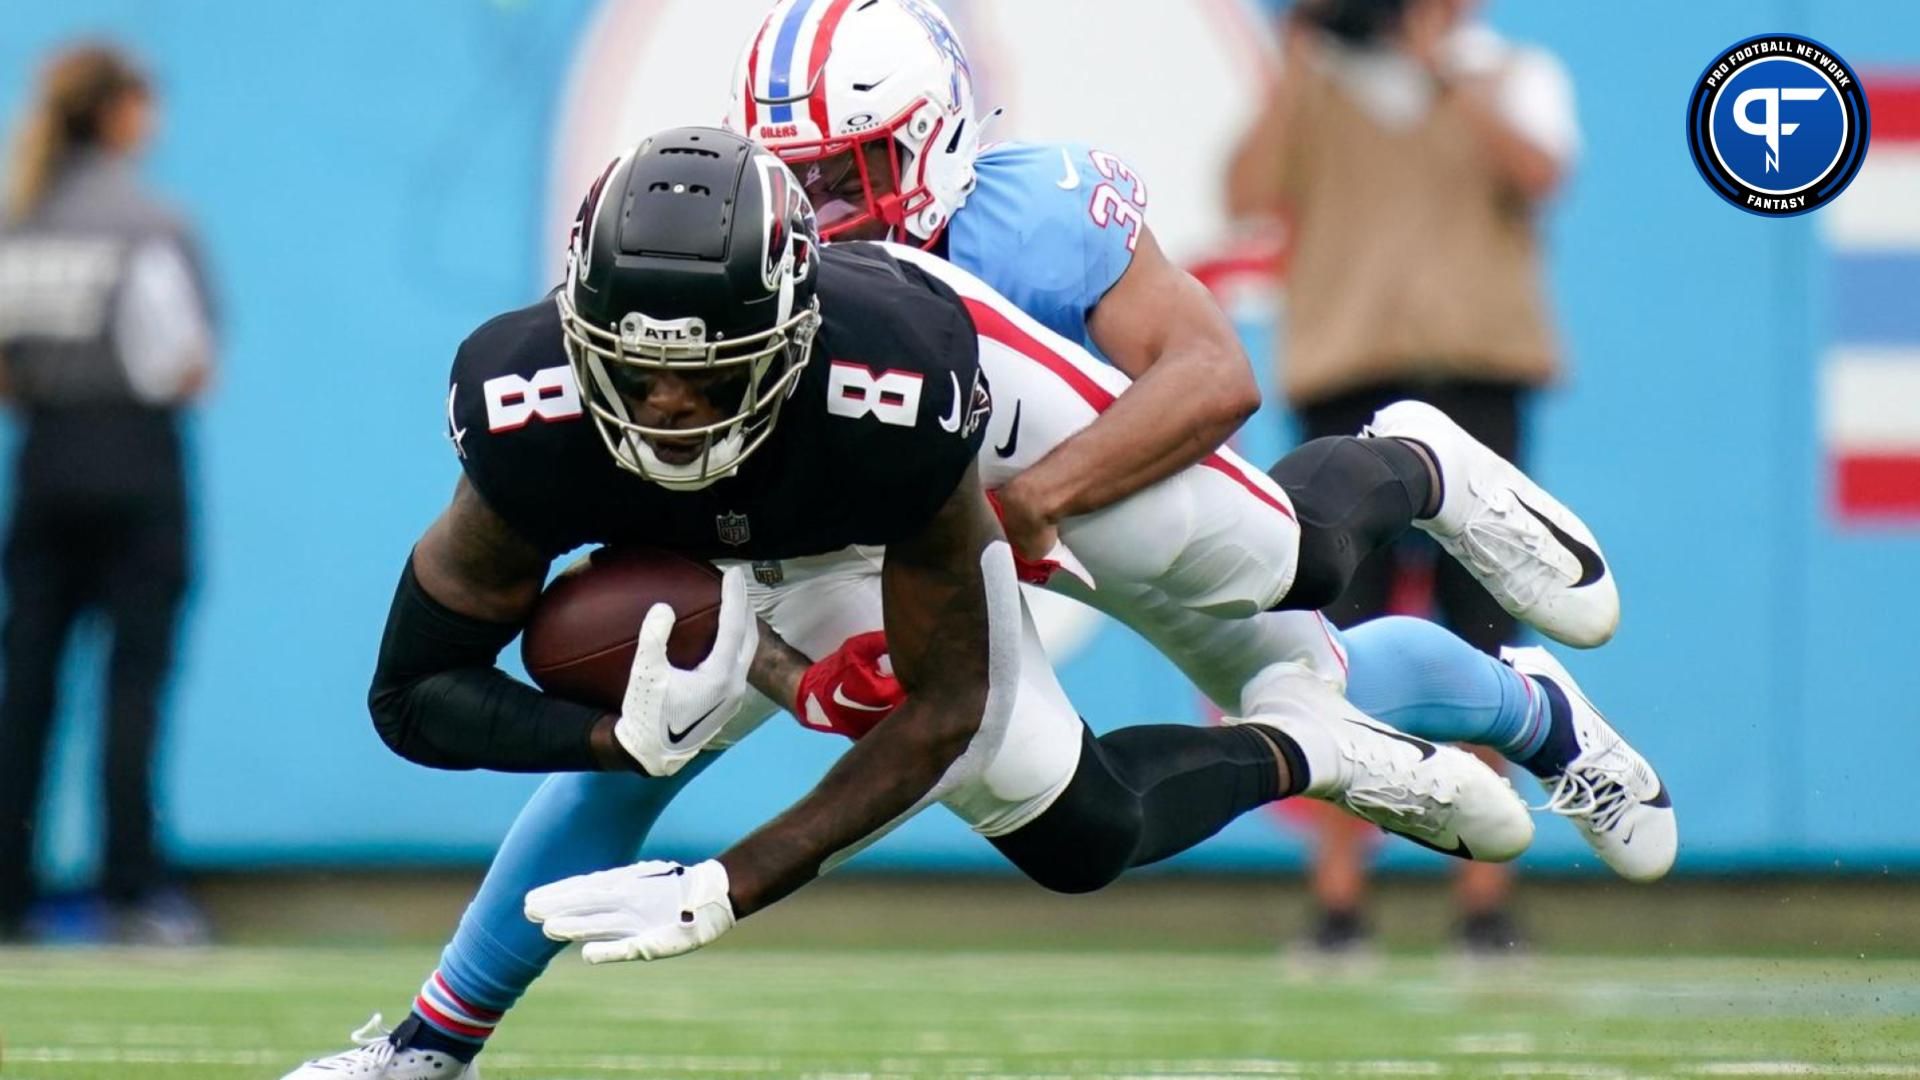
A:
[871,104]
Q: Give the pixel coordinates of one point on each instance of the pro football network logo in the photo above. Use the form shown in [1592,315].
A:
[1778,125]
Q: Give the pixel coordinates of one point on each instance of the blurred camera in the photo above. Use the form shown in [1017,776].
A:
[1356,22]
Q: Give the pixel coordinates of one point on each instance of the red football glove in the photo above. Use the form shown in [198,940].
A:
[1030,571]
[851,690]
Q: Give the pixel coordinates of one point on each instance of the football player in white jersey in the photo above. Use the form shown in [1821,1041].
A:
[872,105]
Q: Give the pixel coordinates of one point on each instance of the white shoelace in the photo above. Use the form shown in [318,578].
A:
[375,1048]
[1405,803]
[1593,792]
[1501,541]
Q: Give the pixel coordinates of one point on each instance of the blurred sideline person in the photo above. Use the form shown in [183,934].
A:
[1411,147]
[105,334]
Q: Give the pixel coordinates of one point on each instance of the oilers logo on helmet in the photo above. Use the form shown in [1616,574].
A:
[943,39]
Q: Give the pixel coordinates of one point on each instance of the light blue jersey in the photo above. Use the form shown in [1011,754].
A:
[1051,226]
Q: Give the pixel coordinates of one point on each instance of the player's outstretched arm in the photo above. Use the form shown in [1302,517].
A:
[940,587]
[437,697]
[1193,387]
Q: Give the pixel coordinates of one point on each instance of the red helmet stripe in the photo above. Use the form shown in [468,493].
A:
[753,76]
[822,45]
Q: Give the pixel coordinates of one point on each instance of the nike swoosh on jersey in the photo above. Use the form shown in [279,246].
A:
[1592,567]
[676,737]
[1426,748]
[1007,448]
[951,422]
[1072,179]
[454,431]
[840,698]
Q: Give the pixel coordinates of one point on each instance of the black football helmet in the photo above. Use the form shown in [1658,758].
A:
[694,253]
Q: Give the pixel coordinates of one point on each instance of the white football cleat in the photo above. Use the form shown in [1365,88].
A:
[1608,791]
[1539,560]
[1436,796]
[376,1058]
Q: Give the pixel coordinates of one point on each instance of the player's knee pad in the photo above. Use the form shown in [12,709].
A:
[1085,859]
[1084,872]
[1087,837]
[1352,498]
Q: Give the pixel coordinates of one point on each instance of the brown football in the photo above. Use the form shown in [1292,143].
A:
[579,644]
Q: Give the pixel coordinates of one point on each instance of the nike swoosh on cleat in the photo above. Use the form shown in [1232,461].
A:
[1006,449]
[675,737]
[1458,850]
[1426,748]
[1592,568]
[1072,179]
[840,698]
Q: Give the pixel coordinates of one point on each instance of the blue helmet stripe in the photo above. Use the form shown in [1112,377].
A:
[778,87]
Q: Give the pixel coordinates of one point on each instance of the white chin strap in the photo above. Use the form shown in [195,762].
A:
[721,459]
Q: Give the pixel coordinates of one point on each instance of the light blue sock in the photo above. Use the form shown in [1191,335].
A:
[575,823]
[1422,679]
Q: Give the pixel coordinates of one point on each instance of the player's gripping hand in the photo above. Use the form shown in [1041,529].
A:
[850,690]
[670,714]
[1027,535]
[647,911]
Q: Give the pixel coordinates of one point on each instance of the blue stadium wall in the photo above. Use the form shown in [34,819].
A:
[370,186]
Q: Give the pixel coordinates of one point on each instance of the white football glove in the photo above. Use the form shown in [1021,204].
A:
[647,911]
[669,715]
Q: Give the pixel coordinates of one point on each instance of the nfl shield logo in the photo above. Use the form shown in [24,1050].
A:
[733,528]
[769,572]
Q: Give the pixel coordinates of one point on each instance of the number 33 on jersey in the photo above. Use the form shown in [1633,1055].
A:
[1051,226]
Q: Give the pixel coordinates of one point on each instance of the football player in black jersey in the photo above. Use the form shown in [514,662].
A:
[712,381]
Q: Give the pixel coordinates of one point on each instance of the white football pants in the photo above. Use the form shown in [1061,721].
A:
[1191,563]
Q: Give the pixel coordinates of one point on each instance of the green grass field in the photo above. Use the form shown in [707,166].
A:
[238,1013]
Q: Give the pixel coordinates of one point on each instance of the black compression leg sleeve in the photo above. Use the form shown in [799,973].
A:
[1141,794]
[1353,497]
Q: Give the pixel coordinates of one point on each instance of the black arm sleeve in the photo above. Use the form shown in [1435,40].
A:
[438,700]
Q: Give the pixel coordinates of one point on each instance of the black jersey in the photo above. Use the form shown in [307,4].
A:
[882,424]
